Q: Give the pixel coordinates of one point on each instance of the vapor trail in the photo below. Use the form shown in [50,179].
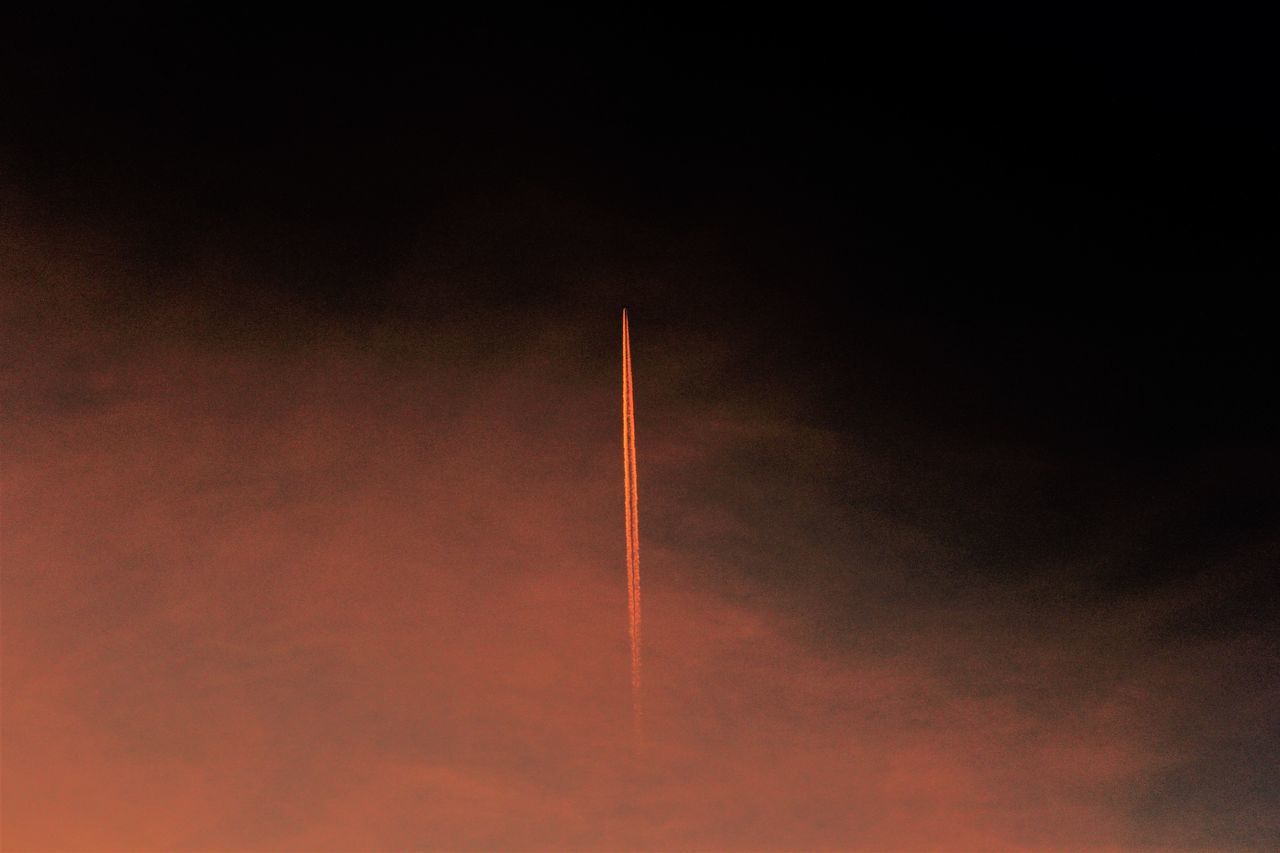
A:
[633,519]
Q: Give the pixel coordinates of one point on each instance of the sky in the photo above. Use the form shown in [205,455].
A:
[955,429]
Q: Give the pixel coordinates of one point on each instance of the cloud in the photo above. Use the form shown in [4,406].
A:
[363,587]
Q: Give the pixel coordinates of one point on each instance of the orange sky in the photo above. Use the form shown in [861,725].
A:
[364,588]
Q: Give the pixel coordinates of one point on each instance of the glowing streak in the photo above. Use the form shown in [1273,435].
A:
[633,518]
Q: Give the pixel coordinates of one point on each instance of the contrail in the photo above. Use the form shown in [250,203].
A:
[633,520]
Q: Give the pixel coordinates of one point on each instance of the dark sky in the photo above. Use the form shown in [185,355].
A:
[955,375]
